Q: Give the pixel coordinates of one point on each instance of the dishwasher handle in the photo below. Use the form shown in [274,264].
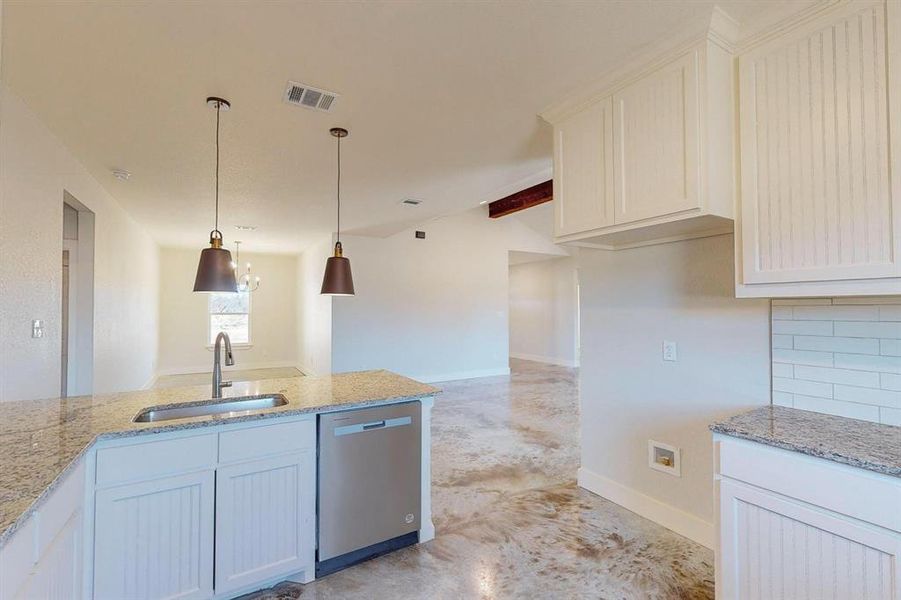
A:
[372,426]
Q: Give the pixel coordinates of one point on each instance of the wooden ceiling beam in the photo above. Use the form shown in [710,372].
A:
[527,198]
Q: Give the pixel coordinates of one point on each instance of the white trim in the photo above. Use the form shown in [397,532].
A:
[683,523]
[551,360]
[151,382]
[460,375]
[208,368]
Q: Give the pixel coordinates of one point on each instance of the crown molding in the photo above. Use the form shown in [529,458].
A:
[777,23]
[720,29]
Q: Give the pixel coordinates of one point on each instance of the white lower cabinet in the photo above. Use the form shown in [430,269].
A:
[795,527]
[154,539]
[264,519]
[57,575]
[210,515]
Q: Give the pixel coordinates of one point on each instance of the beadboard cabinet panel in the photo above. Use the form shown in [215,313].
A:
[583,170]
[58,573]
[656,142]
[774,548]
[818,202]
[154,539]
[265,520]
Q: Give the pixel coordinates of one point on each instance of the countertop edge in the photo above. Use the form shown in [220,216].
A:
[17,523]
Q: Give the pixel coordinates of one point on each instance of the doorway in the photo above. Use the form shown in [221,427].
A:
[544,308]
[77,299]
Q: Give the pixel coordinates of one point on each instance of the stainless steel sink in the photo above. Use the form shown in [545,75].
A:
[232,406]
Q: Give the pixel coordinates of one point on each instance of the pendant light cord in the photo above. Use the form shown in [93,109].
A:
[218,107]
[339,191]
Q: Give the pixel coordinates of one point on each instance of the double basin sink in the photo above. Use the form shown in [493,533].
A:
[231,407]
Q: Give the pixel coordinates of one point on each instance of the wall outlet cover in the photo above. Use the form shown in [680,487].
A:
[665,458]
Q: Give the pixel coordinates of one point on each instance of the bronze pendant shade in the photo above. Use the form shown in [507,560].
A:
[214,271]
[338,280]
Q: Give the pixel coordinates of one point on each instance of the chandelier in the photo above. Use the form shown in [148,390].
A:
[247,281]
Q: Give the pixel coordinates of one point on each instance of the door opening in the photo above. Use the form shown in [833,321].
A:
[77,295]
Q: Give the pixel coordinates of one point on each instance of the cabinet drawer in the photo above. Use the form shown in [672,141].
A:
[845,490]
[144,461]
[266,440]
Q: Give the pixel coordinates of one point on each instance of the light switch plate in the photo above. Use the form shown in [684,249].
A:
[37,328]
[670,351]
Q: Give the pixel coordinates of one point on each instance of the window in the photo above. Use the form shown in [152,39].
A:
[230,312]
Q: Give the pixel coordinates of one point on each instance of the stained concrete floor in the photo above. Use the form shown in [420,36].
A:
[511,523]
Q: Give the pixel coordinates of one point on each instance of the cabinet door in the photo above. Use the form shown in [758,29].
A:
[265,520]
[155,539]
[583,170]
[818,179]
[657,144]
[57,574]
[771,547]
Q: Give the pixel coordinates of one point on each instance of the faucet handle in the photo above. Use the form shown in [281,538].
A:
[225,384]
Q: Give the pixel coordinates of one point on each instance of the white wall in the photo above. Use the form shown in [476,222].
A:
[184,314]
[433,309]
[314,311]
[35,169]
[840,356]
[632,300]
[543,307]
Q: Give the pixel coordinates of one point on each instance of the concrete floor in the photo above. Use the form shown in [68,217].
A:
[511,523]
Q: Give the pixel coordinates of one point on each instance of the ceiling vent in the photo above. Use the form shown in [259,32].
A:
[307,96]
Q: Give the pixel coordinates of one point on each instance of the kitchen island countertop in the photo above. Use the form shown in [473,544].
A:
[41,440]
[861,444]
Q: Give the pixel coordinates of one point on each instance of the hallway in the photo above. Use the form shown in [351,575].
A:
[510,521]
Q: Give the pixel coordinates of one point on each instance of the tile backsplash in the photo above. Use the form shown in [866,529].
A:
[840,356]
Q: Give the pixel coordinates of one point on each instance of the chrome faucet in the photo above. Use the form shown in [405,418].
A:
[218,384]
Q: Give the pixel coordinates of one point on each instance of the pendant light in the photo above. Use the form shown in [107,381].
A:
[337,280]
[215,272]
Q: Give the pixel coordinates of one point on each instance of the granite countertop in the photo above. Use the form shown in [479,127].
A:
[851,442]
[40,440]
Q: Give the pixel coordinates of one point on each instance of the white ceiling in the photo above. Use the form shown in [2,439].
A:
[440,99]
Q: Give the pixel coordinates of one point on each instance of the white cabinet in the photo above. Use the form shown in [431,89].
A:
[657,145]
[820,155]
[792,526]
[647,156]
[265,522]
[58,573]
[154,539]
[44,557]
[583,167]
[215,514]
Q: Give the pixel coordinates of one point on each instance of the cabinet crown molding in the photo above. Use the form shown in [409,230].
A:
[720,29]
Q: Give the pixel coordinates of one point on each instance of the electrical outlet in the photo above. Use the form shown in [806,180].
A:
[670,352]
[37,328]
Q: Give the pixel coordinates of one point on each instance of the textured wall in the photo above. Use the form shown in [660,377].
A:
[633,300]
[35,170]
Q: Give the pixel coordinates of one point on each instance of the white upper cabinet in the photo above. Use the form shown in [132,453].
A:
[646,155]
[820,172]
[657,143]
[583,162]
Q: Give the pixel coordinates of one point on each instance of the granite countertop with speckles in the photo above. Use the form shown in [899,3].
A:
[41,440]
[851,442]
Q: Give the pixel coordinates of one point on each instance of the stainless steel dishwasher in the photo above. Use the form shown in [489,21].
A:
[369,483]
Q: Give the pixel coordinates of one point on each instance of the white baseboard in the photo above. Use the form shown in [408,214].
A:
[683,523]
[551,360]
[434,378]
[237,367]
